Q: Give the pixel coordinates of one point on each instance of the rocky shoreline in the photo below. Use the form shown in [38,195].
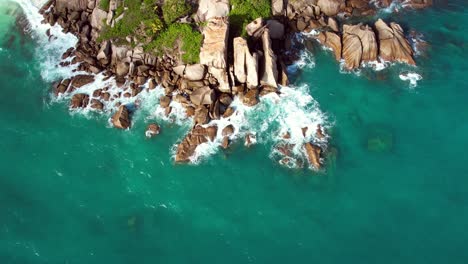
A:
[230,66]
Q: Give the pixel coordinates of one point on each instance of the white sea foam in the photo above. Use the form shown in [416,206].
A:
[411,77]
[289,112]
[49,51]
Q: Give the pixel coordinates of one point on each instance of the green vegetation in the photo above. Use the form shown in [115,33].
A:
[139,18]
[174,9]
[182,36]
[104,5]
[245,11]
[143,20]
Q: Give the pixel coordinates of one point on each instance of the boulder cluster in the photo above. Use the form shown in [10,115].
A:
[247,68]
[353,43]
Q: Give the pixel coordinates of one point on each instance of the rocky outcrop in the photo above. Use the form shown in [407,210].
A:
[198,135]
[121,119]
[313,153]
[240,52]
[393,46]
[359,45]
[270,72]
[332,41]
[213,52]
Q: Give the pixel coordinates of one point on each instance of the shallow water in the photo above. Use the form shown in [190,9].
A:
[73,190]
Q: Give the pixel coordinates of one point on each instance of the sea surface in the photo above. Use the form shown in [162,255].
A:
[394,189]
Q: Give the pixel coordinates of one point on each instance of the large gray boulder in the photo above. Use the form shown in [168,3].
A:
[195,72]
[213,52]
[240,49]
[270,72]
[97,18]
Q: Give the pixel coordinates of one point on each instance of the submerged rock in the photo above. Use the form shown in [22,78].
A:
[152,130]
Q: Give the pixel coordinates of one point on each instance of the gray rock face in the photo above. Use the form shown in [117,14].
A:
[208,9]
[195,72]
[251,63]
[270,73]
[277,7]
[76,5]
[202,96]
[97,18]
[213,52]
[240,69]
[255,28]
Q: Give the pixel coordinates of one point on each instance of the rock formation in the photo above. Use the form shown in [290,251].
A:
[393,44]
[359,45]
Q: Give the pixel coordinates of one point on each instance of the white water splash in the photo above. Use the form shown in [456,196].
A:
[49,51]
[411,77]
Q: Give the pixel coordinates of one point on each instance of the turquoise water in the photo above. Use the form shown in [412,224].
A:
[72,190]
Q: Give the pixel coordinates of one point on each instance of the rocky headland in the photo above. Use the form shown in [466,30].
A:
[206,53]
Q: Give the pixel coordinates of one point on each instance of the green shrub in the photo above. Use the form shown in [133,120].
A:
[182,36]
[104,5]
[174,9]
[245,11]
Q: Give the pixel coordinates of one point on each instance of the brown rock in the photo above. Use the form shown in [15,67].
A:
[96,104]
[228,131]
[225,143]
[333,41]
[319,133]
[152,130]
[82,80]
[164,101]
[249,138]
[202,96]
[105,96]
[121,119]
[313,153]
[201,115]
[225,99]
[79,100]
[393,45]
[270,73]
[189,111]
[229,111]
[331,7]
[250,98]
[304,131]
[211,132]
